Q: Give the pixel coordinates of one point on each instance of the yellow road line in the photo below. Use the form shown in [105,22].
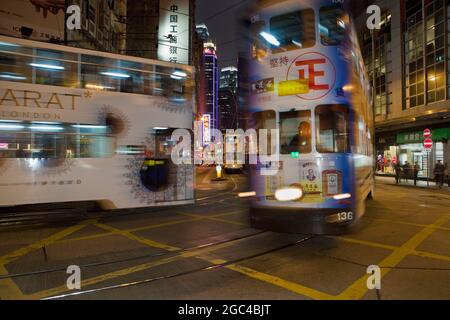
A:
[425,254]
[149,227]
[131,236]
[225,214]
[161,225]
[279,282]
[366,243]
[412,224]
[359,288]
[215,219]
[127,271]
[393,248]
[8,288]
[106,234]
[8,258]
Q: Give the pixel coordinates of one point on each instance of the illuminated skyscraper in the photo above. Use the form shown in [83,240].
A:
[211,82]
[228,107]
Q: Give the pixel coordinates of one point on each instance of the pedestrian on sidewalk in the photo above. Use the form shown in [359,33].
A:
[439,170]
[446,176]
[416,172]
[406,171]
[398,173]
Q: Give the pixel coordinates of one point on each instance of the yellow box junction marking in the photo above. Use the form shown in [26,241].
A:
[359,288]
[8,258]
[8,288]
[131,236]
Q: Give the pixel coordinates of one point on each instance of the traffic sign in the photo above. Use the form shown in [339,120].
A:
[426,133]
[428,143]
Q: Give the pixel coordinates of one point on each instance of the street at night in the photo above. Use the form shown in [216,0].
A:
[206,159]
[208,251]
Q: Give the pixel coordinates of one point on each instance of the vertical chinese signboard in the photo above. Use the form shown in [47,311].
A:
[206,129]
[174,32]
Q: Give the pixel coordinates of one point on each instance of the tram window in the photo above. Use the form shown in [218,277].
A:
[332,25]
[15,67]
[360,136]
[332,125]
[265,120]
[67,143]
[294,31]
[295,133]
[53,68]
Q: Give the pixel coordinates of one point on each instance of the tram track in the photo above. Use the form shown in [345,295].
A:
[142,257]
[73,214]
[185,273]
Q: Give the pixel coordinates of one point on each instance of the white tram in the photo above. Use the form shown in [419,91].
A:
[80,125]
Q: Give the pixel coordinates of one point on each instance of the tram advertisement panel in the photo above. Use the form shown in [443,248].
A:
[62,144]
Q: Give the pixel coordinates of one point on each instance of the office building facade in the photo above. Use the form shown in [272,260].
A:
[408,63]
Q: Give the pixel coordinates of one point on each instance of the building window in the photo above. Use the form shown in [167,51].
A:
[377,64]
[435,54]
[414,64]
[425,53]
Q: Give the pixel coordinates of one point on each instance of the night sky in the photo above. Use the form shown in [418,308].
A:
[224,28]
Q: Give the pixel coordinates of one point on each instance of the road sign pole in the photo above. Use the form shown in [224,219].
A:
[428,144]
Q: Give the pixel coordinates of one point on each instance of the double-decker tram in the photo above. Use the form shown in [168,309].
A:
[308,82]
[80,125]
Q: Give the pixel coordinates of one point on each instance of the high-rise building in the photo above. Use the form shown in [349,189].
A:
[244,89]
[103,25]
[407,63]
[202,31]
[154,29]
[201,36]
[228,106]
[211,83]
[142,28]
[229,78]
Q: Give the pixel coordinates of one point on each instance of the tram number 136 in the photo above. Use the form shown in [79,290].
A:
[345,216]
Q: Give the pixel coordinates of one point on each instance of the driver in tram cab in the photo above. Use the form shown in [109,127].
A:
[302,139]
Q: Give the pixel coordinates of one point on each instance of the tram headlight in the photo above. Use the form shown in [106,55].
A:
[288,194]
[342,196]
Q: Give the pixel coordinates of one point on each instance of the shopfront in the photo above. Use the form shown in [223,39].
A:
[409,148]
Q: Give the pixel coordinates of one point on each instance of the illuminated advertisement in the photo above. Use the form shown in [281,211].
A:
[311,76]
[206,128]
[262,86]
[174,33]
[311,182]
[40,20]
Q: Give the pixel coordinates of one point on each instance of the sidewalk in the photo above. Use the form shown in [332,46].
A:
[410,183]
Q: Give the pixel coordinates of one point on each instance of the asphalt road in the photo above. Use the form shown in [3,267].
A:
[208,251]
